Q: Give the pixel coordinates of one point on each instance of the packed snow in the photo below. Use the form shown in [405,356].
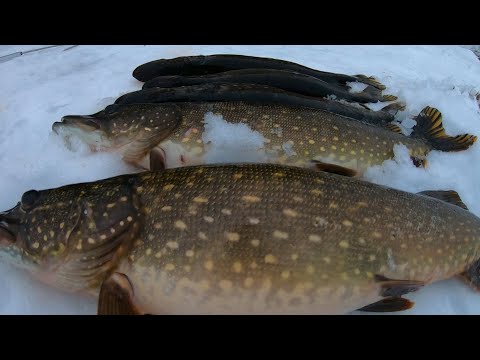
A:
[41,87]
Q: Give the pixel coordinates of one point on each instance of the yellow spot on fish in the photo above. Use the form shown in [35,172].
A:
[168,187]
[335,138]
[166,208]
[347,223]
[91,241]
[226,211]
[189,253]
[158,255]
[169,267]
[295,128]
[253,221]
[35,245]
[336,128]
[232,236]
[376,235]
[311,141]
[310,269]
[45,238]
[237,267]
[179,224]
[148,252]
[322,148]
[122,223]
[280,234]
[290,212]
[255,242]
[356,271]
[316,192]
[285,274]
[39,230]
[208,219]
[279,174]
[111,205]
[248,282]
[251,198]
[314,238]
[343,244]
[123,198]
[332,205]
[208,265]
[253,265]
[372,257]
[62,225]
[294,257]
[333,147]
[237,176]
[129,218]
[103,237]
[369,275]
[270,259]
[200,199]
[202,235]
[157,226]
[172,245]
[327,259]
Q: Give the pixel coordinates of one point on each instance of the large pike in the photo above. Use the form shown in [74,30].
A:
[241,239]
[212,64]
[156,136]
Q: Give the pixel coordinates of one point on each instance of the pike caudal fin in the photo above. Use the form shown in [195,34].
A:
[429,128]
[370,81]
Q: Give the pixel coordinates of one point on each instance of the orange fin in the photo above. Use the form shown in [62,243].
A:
[429,128]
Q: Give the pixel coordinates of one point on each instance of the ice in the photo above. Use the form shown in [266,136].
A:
[227,142]
[39,88]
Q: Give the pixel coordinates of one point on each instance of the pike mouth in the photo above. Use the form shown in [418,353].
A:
[86,123]
[7,235]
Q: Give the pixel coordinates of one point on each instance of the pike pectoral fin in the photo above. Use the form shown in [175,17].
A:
[448,196]
[157,159]
[471,276]
[332,168]
[116,296]
[419,162]
[396,288]
[390,304]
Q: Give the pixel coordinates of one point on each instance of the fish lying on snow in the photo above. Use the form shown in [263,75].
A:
[241,239]
[258,94]
[157,136]
[211,64]
[281,79]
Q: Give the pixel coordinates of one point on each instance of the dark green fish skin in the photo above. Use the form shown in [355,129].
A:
[240,239]
[293,135]
[254,94]
[281,79]
[211,64]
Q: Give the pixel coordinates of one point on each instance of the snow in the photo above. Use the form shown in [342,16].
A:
[39,88]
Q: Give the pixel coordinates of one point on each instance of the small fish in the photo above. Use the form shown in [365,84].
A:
[211,64]
[241,239]
[158,136]
[259,94]
[281,79]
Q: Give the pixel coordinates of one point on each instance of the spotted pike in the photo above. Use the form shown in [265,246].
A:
[157,136]
[241,239]
[211,64]
[258,94]
[281,79]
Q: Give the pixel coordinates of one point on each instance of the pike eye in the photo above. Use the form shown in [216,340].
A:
[29,199]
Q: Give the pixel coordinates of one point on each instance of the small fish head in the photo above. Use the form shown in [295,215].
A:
[120,125]
[70,236]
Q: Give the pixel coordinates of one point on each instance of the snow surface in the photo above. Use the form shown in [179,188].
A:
[40,87]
